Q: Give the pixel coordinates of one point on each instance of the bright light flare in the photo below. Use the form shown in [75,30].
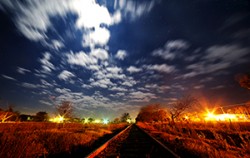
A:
[57,119]
[105,121]
[210,116]
[97,121]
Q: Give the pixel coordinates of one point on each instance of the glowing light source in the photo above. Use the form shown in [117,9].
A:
[97,121]
[57,119]
[210,116]
[105,121]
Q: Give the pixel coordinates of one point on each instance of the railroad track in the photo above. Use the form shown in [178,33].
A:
[132,142]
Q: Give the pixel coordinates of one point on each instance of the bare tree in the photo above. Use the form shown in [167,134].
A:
[244,80]
[5,115]
[65,109]
[182,104]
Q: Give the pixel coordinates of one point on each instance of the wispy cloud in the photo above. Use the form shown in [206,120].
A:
[22,70]
[47,66]
[65,75]
[217,58]
[161,68]
[171,49]
[8,77]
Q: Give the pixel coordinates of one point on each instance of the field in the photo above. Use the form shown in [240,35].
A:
[52,139]
[211,139]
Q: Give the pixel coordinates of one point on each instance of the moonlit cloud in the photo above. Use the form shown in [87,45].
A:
[81,58]
[121,54]
[99,36]
[133,69]
[8,77]
[47,66]
[65,75]
[99,54]
[217,58]
[22,70]
[171,49]
[161,68]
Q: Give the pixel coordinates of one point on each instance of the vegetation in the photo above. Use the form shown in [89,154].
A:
[182,104]
[51,139]
[190,135]
[65,109]
[190,139]
[125,117]
[152,113]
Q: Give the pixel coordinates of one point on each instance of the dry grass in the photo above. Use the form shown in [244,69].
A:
[217,140]
[48,139]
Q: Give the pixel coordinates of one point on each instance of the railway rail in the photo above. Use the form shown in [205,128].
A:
[133,142]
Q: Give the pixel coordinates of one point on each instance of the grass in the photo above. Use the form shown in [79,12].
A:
[203,139]
[51,139]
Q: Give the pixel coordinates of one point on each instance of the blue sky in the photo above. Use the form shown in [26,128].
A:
[111,57]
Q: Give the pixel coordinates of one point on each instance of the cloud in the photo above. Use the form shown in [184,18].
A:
[81,58]
[99,54]
[47,66]
[30,85]
[65,75]
[134,9]
[141,96]
[46,102]
[171,49]
[62,90]
[99,36]
[129,83]
[217,58]
[114,70]
[118,89]
[161,68]
[22,70]
[46,84]
[57,44]
[121,54]
[133,69]
[226,53]
[8,77]
[103,83]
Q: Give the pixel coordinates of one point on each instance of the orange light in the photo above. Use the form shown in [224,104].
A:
[57,119]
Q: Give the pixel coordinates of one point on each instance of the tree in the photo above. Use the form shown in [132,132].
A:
[125,117]
[65,109]
[244,80]
[41,116]
[116,120]
[4,116]
[8,115]
[90,120]
[150,113]
[178,107]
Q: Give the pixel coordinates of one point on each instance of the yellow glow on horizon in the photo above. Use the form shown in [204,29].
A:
[57,119]
[210,116]
[97,121]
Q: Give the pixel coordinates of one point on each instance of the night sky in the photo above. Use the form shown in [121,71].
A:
[110,57]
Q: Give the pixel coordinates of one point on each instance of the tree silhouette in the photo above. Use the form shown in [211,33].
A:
[90,120]
[150,113]
[41,116]
[244,80]
[178,107]
[65,109]
[125,117]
